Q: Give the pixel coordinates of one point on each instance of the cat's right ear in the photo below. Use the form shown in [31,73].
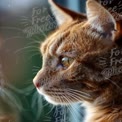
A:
[63,14]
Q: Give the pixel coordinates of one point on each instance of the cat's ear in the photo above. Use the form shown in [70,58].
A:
[63,14]
[100,19]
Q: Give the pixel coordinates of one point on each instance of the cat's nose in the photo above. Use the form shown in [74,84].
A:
[38,79]
[36,83]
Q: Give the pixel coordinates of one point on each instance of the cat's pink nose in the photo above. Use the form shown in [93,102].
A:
[37,85]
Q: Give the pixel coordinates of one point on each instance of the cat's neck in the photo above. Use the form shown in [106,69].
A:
[99,114]
[102,110]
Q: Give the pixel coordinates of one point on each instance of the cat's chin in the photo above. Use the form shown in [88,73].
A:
[50,100]
[54,101]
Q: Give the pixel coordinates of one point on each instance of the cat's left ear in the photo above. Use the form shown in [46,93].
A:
[63,14]
[100,19]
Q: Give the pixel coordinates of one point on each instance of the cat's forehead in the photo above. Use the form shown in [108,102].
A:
[70,38]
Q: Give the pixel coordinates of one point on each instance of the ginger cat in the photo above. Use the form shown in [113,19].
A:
[82,62]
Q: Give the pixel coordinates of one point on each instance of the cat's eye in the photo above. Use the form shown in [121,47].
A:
[66,61]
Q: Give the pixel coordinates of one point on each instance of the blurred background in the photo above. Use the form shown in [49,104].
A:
[23,25]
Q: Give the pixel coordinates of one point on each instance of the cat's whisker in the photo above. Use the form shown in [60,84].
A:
[36,67]
[70,106]
[75,97]
[80,92]
[35,71]
[34,42]
[46,104]
[33,51]
[50,110]
[60,98]
[74,109]
[66,99]
[28,82]
[79,96]
[27,48]
[35,54]
[72,93]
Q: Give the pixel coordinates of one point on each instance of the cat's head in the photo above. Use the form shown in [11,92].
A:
[71,70]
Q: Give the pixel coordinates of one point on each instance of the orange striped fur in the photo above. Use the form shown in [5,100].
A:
[75,58]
